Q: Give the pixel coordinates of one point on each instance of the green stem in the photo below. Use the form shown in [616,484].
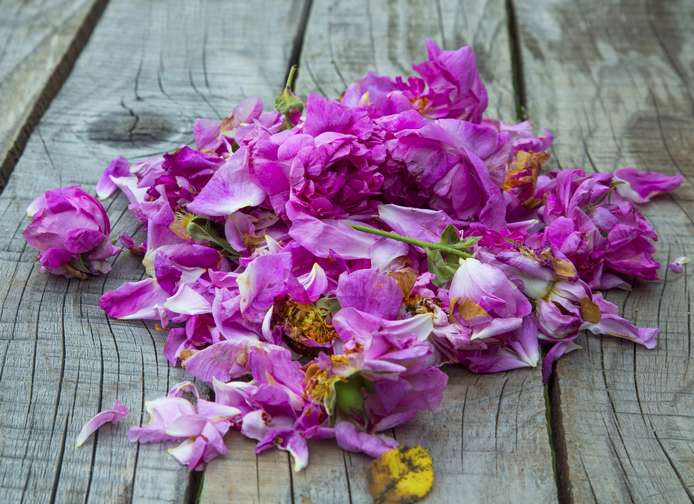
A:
[412,241]
[290,78]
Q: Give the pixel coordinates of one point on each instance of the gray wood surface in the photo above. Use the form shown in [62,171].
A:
[39,41]
[489,440]
[148,70]
[614,80]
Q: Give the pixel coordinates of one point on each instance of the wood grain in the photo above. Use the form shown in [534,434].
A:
[39,42]
[613,80]
[148,70]
[489,439]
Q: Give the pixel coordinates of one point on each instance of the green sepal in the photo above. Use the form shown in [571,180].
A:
[201,229]
[287,103]
[349,395]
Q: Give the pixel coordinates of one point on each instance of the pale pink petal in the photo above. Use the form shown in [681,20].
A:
[384,251]
[560,348]
[189,452]
[186,426]
[350,439]
[162,412]
[215,411]
[183,387]
[224,360]
[188,301]
[677,266]
[115,414]
[118,167]
[298,449]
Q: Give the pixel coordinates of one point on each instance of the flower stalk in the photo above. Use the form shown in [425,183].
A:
[454,249]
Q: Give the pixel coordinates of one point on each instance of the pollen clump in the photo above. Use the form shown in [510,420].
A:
[401,475]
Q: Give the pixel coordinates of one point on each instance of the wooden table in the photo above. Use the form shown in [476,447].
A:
[84,80]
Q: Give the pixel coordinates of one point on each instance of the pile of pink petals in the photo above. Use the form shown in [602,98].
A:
[316,265]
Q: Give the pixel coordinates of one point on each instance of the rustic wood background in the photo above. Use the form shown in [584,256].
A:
[84,80]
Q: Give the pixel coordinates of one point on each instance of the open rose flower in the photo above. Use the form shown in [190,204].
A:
[70,229]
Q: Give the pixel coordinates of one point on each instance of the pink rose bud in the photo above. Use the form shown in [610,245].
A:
[70,229]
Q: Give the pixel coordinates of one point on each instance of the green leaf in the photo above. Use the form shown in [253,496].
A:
[450,235]
[443,268]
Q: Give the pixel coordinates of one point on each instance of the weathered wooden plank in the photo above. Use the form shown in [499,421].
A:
[39,42]
[149,69]
[613,79]
[489,440]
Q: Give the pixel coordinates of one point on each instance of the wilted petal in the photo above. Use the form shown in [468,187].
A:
[118,167]
[206,134]
[188,301]
[231,188]
[351,323]
[370,291]
[224,360]
[489,288]
[186,426]
[190,452]
[308,287]
[350,439]
[215,411]
[184,387]
[421,223]
[558,349]
[263,280]
[298,449]
[117,411]
[640,186]
[134,300]
[324,237]
[611,324]
[162,413]
[497,326]
[677,266]
[384,251]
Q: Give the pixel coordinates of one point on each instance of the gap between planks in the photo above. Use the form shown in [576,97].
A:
[55,81]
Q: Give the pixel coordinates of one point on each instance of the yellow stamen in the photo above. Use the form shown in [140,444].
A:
[304,322]
[523,171]
[180,224]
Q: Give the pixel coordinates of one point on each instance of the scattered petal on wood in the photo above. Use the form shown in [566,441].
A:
[401,475]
